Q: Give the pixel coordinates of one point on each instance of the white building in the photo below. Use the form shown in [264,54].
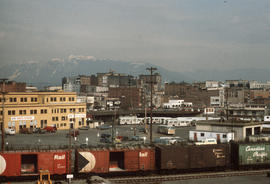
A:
[259,85]
[211,84]
[176,104]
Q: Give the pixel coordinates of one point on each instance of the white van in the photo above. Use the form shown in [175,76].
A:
[10,131]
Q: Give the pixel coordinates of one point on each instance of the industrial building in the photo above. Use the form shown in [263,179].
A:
[241,129]
[40,109]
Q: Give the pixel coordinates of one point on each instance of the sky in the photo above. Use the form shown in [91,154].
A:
[179,35]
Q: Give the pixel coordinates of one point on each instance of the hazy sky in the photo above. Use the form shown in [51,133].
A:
[180,35]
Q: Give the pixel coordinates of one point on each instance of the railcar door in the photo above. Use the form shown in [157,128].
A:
[195,137]
[218,138]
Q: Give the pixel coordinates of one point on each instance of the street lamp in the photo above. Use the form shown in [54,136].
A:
[151,100]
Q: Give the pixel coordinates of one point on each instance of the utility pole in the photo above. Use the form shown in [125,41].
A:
[3,114]
[151,100]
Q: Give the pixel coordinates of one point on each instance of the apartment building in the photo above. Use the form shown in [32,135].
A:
[41,109]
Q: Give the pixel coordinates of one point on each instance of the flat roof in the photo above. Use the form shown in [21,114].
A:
[229,123]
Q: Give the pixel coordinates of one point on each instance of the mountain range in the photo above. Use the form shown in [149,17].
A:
[50,73]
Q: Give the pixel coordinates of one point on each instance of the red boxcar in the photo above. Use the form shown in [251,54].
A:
[115,159]
[22,163]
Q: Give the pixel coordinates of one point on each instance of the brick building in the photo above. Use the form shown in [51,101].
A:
[130,97]
[187,92]
[12,86]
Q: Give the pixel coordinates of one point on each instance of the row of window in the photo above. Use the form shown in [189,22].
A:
[44,111]
[34,99]
[64,118]
[23,99]
[223,135]
[71,110]
[62,99]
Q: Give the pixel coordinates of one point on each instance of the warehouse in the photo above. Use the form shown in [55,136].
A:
[241,129]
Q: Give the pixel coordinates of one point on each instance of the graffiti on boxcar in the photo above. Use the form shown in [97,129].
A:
[258,148]
[3,164]
[145,154]
[59,157]
[219,153]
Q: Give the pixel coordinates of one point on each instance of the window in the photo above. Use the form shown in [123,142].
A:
[43,123]
[63,118]
[53,99]
[55,118]
[22,112]
[33,99]
[81,109]
[43,111]
[12,99]
[11,112]
[224,136]
[33,111]
[23,99]
[72,110]
[202,134]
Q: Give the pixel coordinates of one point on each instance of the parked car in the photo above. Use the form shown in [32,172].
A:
[122,138]
[10,131]
[106,140]
[104,127]
[73,133]
[50,129]
[137,138]
[84,128]
[104,135]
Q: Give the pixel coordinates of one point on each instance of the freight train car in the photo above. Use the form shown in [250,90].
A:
[191,157]
[28,163]
[251,155]
[115,159]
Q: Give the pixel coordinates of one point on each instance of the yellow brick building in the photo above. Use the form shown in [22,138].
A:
[41,109]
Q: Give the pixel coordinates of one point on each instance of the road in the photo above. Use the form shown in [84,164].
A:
[60,138]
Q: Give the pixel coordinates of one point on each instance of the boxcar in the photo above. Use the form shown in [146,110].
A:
[115,159]
[191,157]
[24,163]
[251,154]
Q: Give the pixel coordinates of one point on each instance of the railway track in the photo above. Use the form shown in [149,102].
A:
[163,178]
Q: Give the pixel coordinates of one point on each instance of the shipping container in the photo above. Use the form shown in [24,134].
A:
[23,163]
[186,157]
[115,159]
[247,154]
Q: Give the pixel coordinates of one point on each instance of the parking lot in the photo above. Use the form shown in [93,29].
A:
[86,137]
